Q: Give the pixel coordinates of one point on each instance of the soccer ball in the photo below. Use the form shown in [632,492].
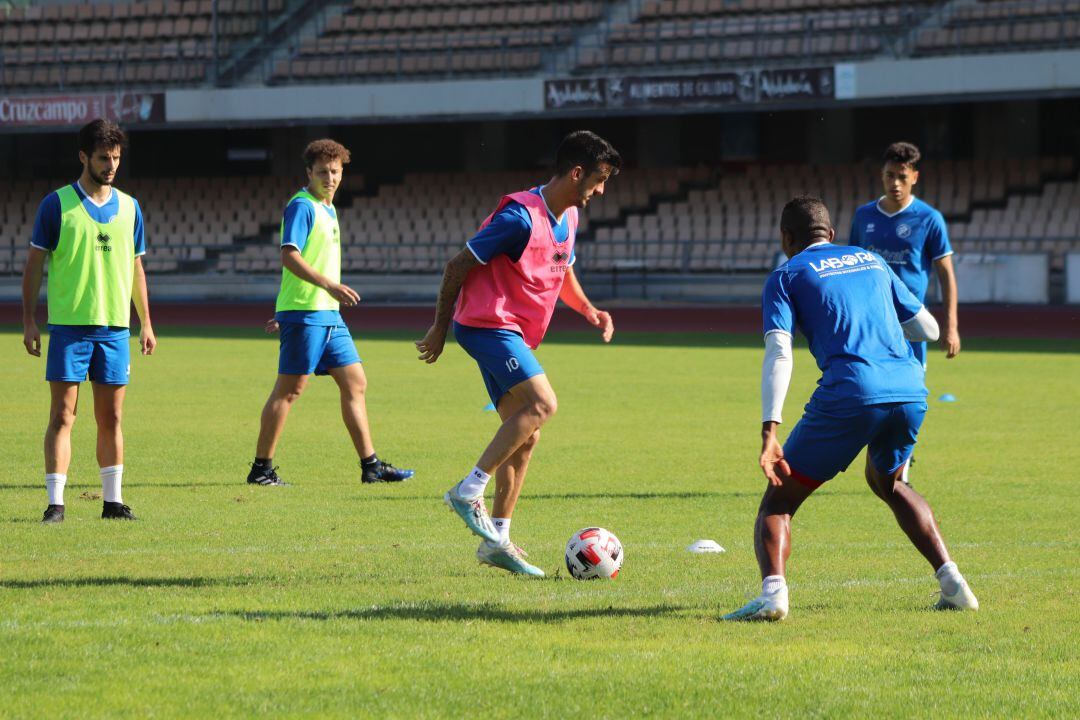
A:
[594,553]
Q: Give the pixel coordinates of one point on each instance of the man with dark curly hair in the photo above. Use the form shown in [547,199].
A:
[92,235]
[314,337]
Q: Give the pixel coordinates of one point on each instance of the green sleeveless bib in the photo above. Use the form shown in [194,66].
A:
[93,266]
[322,251]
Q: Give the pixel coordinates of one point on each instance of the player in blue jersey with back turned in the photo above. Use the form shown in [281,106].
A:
[911,236]
[858,317]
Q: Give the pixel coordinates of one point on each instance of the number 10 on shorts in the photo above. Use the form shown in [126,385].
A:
[512,364]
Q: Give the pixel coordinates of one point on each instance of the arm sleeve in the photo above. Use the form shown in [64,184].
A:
[299,219]
[140,231]
[921,327]
[777,311]
[904,302]
[937,238]
[507,234]
[46,232]
[775,375]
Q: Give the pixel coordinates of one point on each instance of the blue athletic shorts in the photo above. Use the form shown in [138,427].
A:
[823,443]
[80,351]
[504,358]
[307,349]
[919,348]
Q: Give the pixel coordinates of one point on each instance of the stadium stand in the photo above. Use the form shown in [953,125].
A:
[1001,26]
[659,220]
[103,44]
[423,37]
[697,32]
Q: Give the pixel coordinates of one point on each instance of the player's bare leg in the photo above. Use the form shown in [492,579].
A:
[509,480]
[275,412]
[916,519]
[772,545]
[532,403]
[352,382]
[912,512]
[64,400]
[510,476]
[108,412]
[536,405]
[772,528]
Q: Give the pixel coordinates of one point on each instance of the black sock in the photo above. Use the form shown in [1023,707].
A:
[369,461]
[262,462]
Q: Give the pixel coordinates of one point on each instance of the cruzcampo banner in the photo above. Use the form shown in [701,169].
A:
[127,108]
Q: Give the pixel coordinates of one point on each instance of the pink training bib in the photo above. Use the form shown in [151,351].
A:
[520,296]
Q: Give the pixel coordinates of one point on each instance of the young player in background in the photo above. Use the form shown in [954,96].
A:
[92,235]
[314,337]
[509,277]
[911,236]
[857,317]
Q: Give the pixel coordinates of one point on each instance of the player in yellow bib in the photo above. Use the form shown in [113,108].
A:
[92,236]
[314,337]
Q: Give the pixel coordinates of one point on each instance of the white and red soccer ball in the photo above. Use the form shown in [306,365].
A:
[594,553]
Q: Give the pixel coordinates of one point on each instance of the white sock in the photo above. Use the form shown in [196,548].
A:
[503,526]
[110,483]
[773,584]
[474,483]
[950,578]
[54,484]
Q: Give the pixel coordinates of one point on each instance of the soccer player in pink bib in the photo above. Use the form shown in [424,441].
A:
[500,291]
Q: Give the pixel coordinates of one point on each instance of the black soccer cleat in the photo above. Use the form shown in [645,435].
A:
[265,476]
[382,471]
[116,511]
[54,514]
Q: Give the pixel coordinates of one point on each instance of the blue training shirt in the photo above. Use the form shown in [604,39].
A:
[46,236]
[509,231]
[849,305]
[299,219]
[910,241]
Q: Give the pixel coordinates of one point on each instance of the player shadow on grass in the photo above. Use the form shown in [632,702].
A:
[123,580]
[437,612]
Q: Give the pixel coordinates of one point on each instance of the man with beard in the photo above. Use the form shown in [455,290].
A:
[92,235]
[501,291]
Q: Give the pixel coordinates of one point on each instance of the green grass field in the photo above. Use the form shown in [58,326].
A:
[333,599]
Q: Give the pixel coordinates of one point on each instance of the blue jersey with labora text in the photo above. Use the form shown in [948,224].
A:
[849,305]
[910,240]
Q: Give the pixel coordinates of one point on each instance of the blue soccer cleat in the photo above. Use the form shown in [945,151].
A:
[473,511]
[506,556]
[382,472]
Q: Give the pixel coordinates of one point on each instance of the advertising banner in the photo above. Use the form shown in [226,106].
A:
[126,108]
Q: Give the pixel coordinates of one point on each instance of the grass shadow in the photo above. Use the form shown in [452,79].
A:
[134,582]
[440,612]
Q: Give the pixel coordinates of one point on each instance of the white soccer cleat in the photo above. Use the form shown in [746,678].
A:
[770,608]
[962,599]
